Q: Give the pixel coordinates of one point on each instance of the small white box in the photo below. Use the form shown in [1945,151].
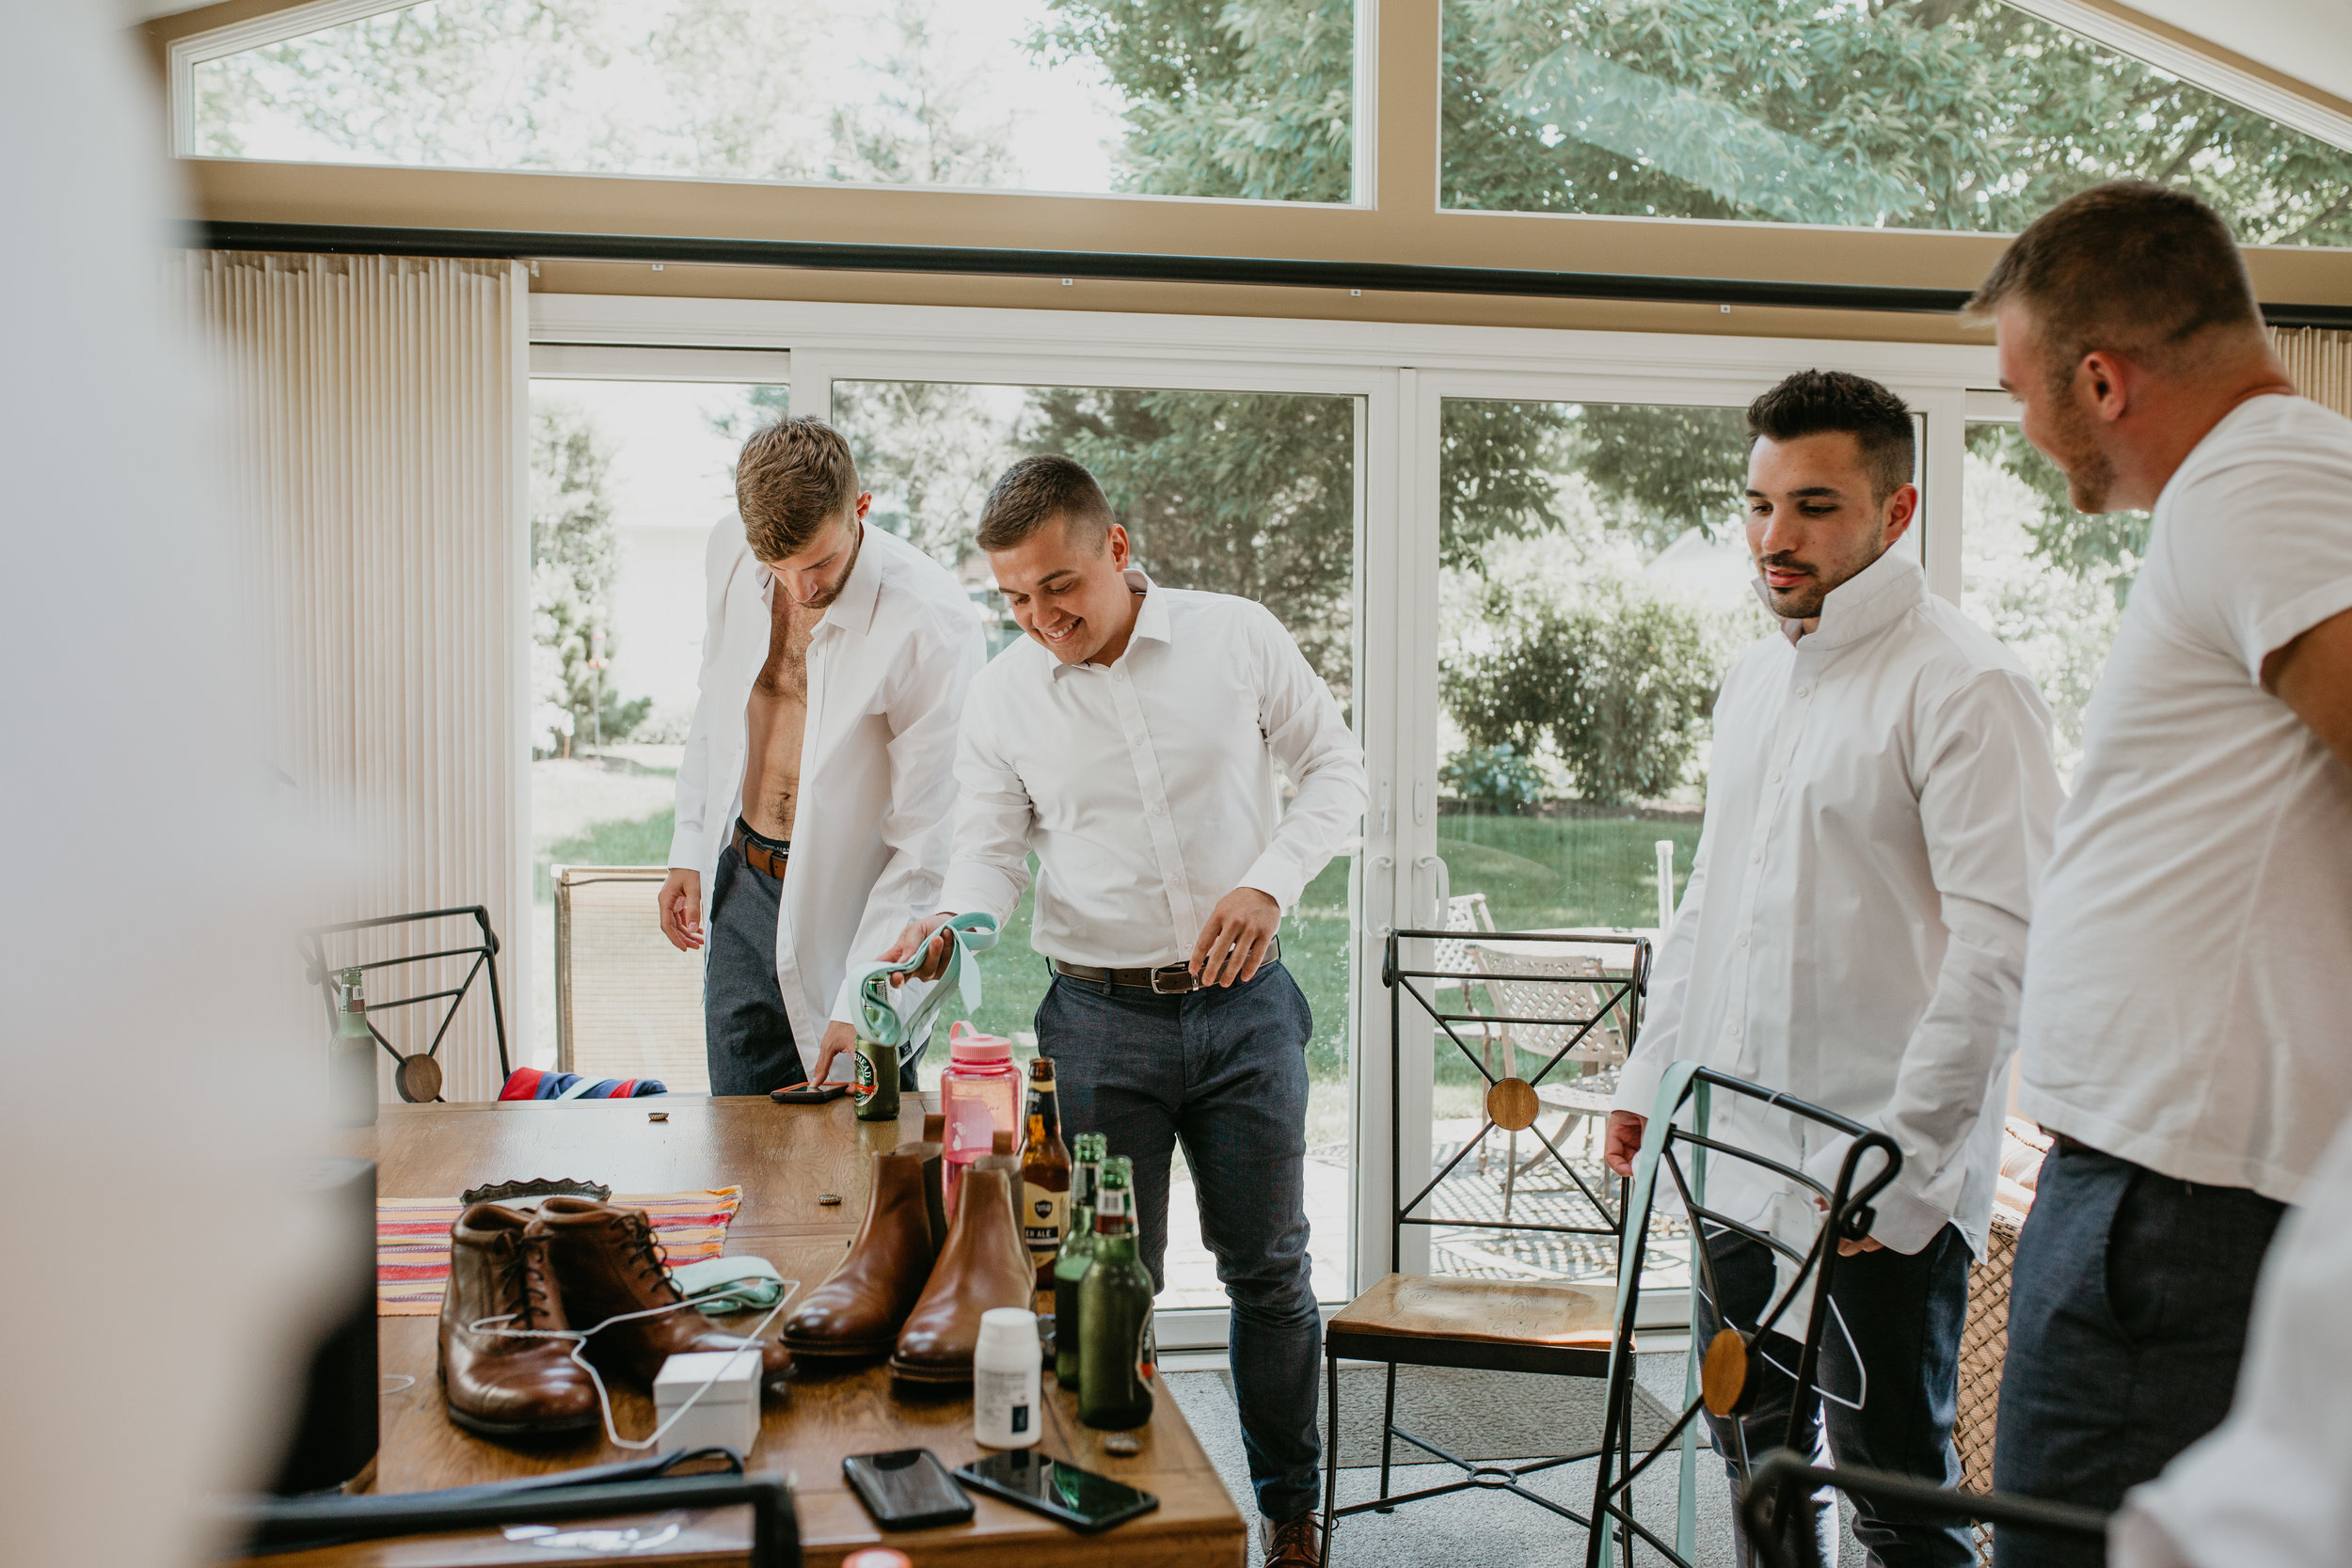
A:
[727,1416]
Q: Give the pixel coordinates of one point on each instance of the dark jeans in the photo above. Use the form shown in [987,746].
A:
[1225,1071]
[747,1035]
[2127,1316]
[1897,1356]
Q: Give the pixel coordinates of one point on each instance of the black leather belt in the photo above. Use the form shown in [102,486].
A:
[757,853]
[1166,980]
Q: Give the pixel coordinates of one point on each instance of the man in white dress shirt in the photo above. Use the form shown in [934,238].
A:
[2189,980]
[1130,742]
[1878,808]
[834,673]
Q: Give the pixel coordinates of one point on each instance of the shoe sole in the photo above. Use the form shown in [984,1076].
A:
[943,1375]
[834,1350]
[482,1426]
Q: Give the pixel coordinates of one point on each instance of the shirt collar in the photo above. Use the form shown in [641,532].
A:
[1150,622]
[1864,603]
[860,593]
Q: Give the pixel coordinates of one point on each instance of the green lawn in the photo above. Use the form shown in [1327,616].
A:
[1536,872]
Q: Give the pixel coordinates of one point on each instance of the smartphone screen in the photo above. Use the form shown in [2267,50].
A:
[1078,1497]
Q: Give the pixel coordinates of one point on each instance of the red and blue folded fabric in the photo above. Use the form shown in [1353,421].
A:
[531,1083]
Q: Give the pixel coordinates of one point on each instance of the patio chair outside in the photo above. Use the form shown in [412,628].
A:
[628,1005]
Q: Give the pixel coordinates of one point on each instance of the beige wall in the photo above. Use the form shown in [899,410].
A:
[1403,225]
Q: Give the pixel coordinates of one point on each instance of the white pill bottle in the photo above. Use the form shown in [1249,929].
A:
[1008,1397]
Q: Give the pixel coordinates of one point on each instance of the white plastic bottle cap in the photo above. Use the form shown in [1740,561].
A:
[1008,1330]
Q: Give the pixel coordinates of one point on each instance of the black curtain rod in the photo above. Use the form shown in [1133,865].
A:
[1097,266]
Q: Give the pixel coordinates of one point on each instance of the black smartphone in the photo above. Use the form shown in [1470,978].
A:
[908,1489]
[809,1094]
[1079,1499]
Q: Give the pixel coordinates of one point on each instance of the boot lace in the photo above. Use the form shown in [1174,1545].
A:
[523,1283]
[648,1255]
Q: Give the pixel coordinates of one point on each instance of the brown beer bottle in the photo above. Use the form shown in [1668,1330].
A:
[1044,1174]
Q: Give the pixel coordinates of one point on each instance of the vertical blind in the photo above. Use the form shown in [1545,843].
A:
[2319,363]
[377,458]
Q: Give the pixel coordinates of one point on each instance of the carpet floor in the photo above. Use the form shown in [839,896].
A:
[1495,1532]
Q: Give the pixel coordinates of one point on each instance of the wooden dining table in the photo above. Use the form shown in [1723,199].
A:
[786,1158]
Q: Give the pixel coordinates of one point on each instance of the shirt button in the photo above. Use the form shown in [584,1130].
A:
[1744,939]
[1119,673]
[1757,859]
[1801,691]
[1775,778]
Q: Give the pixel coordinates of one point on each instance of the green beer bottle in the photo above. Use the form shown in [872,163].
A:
[874,1087]
[351,1053]
[1076,1254]
[1115,1349]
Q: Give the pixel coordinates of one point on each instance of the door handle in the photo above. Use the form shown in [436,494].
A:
[1442,879]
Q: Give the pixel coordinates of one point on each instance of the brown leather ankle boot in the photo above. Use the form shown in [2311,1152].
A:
[500,1385]
[931,1150]
[857,1311]
[986,1264]
[607,1261]
[1002,1158]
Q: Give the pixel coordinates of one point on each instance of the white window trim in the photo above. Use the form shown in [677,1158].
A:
[2243,87]
[1402,372]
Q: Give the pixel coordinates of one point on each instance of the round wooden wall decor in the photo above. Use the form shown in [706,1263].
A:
[1723,1375]
[419,1079]
[1511,1104]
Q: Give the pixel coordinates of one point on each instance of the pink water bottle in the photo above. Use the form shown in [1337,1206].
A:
[979,1094]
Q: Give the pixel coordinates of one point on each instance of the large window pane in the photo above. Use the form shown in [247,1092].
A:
[1245,493]
[1906,113]
[628,479]
[2044,578]
[1252,99]
[1596,586]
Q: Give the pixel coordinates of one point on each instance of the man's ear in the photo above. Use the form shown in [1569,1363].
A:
[1114,538]
[1901,510]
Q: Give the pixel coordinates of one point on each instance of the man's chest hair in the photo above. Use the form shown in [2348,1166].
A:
[786,671]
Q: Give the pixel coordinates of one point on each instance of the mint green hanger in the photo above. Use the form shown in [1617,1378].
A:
[879,1018]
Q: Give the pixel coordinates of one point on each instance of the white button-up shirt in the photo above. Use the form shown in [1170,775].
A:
[888,669]
[1853,933]
[1146,786]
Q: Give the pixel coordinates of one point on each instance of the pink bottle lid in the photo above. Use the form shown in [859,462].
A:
[966,1044]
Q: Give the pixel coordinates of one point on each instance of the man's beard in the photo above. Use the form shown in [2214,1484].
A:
[1804,602]
[2089,472]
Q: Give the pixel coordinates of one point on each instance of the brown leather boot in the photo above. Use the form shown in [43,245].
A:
[931,1150]
[859,1308]
[1002,1158]
[985,1265]
[499,1384]
[608,1264]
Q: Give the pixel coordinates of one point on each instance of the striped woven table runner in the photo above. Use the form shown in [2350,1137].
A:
[412,1241]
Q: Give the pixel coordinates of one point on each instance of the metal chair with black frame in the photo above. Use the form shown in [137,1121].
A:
[417,1076]
[1783,1482]
[1498,1325]
[269,1525]
[1720,1383]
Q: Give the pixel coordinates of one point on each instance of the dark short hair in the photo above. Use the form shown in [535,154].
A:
[2131,268]
[1036,491]
[795,476]
[1815,402]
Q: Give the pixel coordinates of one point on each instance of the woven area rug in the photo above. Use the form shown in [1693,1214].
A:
[1478,1416]
[412,1241]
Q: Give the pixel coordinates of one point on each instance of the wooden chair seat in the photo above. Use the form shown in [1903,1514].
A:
[1509,1324]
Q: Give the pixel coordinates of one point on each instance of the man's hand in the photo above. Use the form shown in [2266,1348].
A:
[839,1037]
[1867,1243]
[1232,944]
[680,901]
[1621,1140]
[913,937]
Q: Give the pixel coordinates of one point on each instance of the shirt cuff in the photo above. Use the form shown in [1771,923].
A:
[686,848]
[974,887]
[1273,874]
[1901,1220]
[1638,1081]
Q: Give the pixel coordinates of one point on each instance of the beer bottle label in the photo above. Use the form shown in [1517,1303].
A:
[862,1087]
[1043,1218]
[1147,1346]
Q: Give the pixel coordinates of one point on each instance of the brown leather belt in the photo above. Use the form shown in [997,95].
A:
[1166,980]
[757,855]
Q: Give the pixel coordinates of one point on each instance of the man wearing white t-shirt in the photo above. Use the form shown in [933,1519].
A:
[2188,978]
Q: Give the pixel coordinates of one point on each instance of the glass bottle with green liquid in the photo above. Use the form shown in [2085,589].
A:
[1076,1254]
[1114,1349]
